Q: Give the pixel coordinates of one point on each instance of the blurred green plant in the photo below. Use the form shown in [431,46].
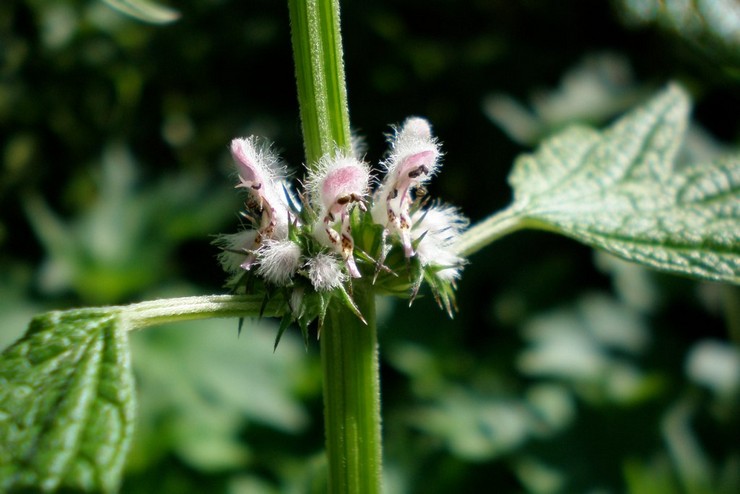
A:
[457,404]
[144,10]
[124,241]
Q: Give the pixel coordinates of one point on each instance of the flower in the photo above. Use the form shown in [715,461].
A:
[436,229]
[324,272]
[261,172]
[236,250]
[336,184]
[413,159]
[305,250]
[278,261]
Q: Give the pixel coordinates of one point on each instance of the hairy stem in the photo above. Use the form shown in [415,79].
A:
[490,230]
[156,312]
[348,347]
[352,397]
[322,93]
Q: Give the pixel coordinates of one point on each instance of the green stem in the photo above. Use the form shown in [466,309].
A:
[322,93]
[352,397]
[156,312]
[349,355]
[490,230]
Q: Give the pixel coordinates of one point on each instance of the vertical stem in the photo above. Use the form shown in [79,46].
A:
[352,397]
[322,93]
[349,354]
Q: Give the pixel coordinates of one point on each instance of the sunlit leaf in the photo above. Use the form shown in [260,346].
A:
[145,10]
[619,190]
[67,403]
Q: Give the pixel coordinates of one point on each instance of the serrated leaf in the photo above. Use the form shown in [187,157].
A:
[66,403]
[619,191]
[144,10]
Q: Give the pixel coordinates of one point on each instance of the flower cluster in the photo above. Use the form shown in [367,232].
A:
[313,243]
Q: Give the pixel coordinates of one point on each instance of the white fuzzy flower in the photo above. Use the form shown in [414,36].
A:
[278,261]
[336,184]
[413,159]
[325,272]
[235,249]
[440,226]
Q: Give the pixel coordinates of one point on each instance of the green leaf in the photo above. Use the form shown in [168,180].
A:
[619,190]
[67,403]
[145,11]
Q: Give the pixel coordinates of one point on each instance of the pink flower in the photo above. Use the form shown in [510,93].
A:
[413,159]
[263,175]
[336,185]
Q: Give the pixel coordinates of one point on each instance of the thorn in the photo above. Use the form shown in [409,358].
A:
[351,304]
[265,300]
[384,250]
[304,332]
[284,323]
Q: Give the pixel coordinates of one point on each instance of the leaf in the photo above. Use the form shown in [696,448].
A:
[712,26]
[619,191]
[145,11]
[66,403]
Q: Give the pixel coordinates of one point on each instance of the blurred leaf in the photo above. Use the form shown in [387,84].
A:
[476,427]
[67,399]
[582,346]
[598,88]
[693,466]
[713,25]
[200,386]
[538,477]
[16,307]
[649,478]
[145,10]
[619,191]
[124,241]
[715,365]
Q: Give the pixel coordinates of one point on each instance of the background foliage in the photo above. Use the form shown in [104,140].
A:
[564,371]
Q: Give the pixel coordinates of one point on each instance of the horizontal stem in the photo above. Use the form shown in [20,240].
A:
[155,312]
